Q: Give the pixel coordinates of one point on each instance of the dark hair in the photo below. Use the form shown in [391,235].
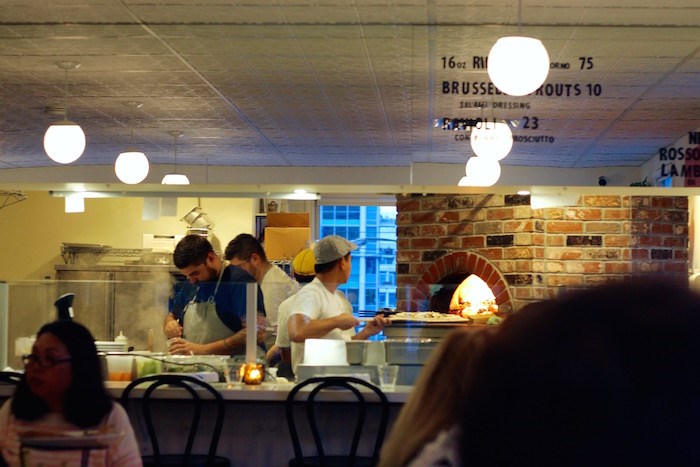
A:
[192,250]
[86,401]
[243,246]
[303,279]
[607,375]
[325,267]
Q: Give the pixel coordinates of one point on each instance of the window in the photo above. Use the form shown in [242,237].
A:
[372,282]
[371,265]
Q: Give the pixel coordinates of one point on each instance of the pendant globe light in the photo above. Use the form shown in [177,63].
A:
[491,140]
[481,172]
[175,178]
[518,65]
[132,166]
[64,141]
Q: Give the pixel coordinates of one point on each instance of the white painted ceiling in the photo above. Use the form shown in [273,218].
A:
[341,82]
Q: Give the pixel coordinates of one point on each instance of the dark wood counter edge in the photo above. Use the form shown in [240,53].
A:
[266,392]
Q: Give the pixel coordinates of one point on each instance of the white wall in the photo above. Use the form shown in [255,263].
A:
[31,231]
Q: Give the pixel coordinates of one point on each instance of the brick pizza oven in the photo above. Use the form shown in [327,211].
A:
[527,254]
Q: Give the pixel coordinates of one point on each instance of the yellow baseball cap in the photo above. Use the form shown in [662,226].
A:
[304,262]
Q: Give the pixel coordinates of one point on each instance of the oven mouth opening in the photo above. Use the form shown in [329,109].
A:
[463,294]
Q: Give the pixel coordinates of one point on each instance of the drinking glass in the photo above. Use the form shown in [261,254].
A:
[387,376]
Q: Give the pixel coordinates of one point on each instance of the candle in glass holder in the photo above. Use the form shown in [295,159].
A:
[253,373]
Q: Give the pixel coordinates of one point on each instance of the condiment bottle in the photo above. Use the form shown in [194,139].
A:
[122,339]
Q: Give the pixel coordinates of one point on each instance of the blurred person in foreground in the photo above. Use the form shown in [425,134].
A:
[320,310]
[605,376]
[62,393]
[246,252]
[426,431]
[281,353]
[208,313]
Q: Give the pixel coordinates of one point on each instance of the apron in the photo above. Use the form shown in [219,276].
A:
[201,322]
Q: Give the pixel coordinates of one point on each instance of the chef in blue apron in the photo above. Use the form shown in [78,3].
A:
[207,315]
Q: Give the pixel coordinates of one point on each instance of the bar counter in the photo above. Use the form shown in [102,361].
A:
[255,431]
[264,392]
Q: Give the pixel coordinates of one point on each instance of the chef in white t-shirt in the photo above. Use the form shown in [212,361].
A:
[320,310]
[246,252]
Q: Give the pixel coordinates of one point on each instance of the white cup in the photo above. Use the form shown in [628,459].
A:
[388,375]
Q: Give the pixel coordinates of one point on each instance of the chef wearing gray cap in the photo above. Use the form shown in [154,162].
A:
[321,311]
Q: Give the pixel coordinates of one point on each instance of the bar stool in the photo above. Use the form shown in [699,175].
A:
[195,388]
[314,407]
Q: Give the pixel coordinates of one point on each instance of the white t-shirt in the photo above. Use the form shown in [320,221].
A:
[276,287]
[316,302]
[282,339]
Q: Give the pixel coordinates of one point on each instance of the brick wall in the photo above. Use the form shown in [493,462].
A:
[540,251]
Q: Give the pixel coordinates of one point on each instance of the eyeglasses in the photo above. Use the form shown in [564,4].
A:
[44,362]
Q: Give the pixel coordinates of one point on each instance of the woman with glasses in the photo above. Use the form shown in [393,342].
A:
[63,394]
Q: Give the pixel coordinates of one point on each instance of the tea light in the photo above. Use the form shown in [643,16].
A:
[253,373]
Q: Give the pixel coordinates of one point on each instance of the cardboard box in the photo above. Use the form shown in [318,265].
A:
[288,219]
[285,242]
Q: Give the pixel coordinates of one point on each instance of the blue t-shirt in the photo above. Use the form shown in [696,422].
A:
[230,299]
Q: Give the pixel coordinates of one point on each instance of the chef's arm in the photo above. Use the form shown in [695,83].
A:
[234,343]
[372,327]
[171,328]
[301,327]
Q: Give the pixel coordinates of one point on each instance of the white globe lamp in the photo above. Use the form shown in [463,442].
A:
[518,65]
[491,140]
[131,167]
[64,141]
[482,172]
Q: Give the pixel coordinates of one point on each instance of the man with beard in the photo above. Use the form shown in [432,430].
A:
[208,313]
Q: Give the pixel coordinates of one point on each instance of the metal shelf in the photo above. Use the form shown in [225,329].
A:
[103,255]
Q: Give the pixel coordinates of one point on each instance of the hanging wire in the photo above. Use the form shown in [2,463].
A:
[133,106]
[65,94]
[175,136]
[175,153]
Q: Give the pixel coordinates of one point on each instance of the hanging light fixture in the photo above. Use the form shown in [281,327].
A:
[481,172]
[491,140]
[64,141]
[132,166]
[518,65]
[175,178]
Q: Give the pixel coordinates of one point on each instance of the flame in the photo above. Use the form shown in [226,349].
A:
[473,296]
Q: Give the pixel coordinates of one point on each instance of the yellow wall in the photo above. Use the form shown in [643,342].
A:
[31,231]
